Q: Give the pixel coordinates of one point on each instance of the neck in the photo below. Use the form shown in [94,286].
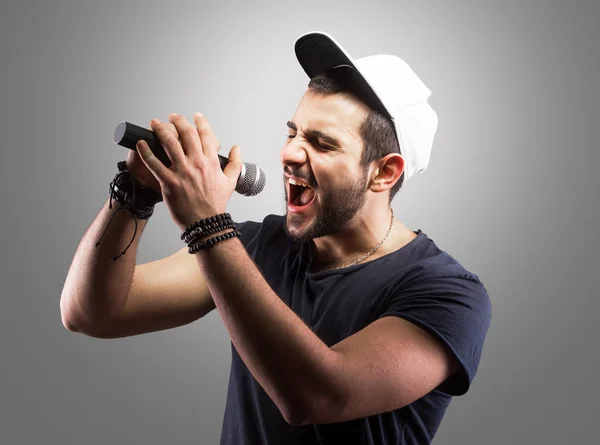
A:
[360,237]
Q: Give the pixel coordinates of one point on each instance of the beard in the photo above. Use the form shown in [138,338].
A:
[336,209]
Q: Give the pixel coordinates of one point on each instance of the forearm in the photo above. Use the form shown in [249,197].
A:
[288,360]
[95,286]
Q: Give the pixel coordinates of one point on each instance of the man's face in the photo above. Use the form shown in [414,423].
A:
[323,150]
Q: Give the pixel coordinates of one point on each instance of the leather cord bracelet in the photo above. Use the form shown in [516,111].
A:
[136,199]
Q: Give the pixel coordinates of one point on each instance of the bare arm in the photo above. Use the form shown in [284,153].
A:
[107,299]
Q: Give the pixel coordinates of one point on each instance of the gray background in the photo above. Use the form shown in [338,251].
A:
[511,192]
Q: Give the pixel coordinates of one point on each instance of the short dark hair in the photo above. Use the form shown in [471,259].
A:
[377,131]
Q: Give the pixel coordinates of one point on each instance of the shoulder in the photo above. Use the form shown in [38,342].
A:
[439,273]
[439,294]
[435,279]
[421,261]
[429,262]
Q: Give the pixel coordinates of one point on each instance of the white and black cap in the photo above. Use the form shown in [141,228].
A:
[387,84]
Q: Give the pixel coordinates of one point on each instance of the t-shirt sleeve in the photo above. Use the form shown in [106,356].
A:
[457,310]
[249,231]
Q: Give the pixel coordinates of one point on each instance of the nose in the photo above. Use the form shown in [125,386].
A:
[293,153]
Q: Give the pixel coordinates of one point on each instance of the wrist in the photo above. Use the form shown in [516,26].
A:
[127,189]
[204,233]
[204,228]
[214,240]
[206,237]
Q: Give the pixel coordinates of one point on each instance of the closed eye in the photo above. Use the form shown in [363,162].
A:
[313,142]
[319,146]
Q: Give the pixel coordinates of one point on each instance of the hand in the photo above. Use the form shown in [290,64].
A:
[138,169]
[194,187]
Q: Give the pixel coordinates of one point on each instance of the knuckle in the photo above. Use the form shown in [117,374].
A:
[169,182]
[191,175]
[169,137]
[198,162]
[189,131]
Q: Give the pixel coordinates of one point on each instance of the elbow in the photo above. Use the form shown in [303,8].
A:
[296,416]
[68,323]
[71,319]
[324,408]
[293,409]
[67,316]
[71,323]
[74,322]
[315,411]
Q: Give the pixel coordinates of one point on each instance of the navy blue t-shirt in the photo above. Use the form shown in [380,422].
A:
[418,282]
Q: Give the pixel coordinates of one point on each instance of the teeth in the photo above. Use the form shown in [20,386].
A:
[293,181]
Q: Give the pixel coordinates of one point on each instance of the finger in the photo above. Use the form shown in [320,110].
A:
[233,169]
[210,144]
[171,128]
[156,167]
[188,136]
[170,143]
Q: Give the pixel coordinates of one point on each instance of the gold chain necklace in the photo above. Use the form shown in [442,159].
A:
[372,251]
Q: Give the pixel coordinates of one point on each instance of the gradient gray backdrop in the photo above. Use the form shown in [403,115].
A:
[511,191]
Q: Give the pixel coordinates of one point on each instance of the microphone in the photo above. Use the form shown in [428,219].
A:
[252,178]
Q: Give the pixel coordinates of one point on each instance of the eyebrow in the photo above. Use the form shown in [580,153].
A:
[310,134]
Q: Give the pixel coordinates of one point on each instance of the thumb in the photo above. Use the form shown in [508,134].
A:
[233,169]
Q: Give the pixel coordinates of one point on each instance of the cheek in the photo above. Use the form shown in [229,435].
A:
[341,175]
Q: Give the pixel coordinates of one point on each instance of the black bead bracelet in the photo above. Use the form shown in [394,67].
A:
[206,223]
[211,242]
[195,237]
[207,229]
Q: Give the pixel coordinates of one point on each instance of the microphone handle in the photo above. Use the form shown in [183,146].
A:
[128,134]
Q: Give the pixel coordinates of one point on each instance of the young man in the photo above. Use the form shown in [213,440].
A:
[347,327]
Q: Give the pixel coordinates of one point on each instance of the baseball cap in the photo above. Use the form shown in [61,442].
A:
[386,83]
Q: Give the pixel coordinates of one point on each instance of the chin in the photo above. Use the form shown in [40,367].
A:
[296,228]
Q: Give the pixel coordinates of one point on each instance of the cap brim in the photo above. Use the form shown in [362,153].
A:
[318,53]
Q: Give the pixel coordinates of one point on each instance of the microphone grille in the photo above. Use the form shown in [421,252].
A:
[252,182]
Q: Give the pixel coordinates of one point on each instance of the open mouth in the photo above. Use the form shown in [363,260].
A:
[300,195]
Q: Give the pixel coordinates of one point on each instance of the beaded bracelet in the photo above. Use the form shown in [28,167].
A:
[210,222]
[207,229]
[195,238]
[211,242]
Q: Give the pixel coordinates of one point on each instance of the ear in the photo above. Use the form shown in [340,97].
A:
[387,171]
